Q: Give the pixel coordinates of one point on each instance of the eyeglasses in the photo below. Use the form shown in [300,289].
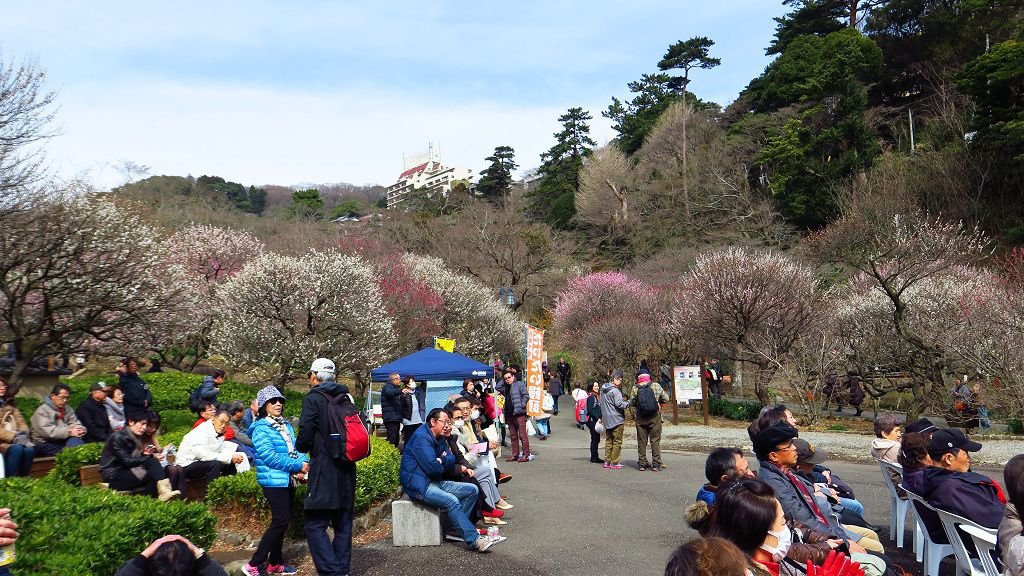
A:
[63,396]
[787,448]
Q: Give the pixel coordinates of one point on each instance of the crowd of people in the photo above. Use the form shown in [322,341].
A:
[795,516]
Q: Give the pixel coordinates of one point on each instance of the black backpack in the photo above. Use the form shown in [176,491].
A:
[646,402]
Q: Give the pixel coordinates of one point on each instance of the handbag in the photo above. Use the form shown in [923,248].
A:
[599,427]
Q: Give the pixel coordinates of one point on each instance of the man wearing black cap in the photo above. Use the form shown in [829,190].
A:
[921,426]
[777,456]
[951,486]
[92,413]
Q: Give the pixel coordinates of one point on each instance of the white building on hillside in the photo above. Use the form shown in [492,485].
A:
[425,171]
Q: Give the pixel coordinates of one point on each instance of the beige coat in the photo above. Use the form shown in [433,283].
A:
[11,422]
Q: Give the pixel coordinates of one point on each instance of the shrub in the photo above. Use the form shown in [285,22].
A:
[838,427]
[376,478]
[69,460]
[1015,426]
[174,420]
[743,411]
[67,530]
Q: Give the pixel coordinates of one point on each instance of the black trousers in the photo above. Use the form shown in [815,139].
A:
[408,430]
[125,479]
[392,430]
[269,549]
[595,440]
[208,469]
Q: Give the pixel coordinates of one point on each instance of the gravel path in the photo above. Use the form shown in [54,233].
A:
[839,445]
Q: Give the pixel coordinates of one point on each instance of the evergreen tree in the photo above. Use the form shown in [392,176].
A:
[634,119]
[307,204]
[496,179]
[553,197]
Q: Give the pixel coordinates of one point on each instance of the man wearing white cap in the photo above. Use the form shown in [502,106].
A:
[332,482]
[647,398]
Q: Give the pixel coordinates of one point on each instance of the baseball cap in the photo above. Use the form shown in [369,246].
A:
[322,365]
[921,426]
[97,386]
[807,453]
[947,439]
[767,440]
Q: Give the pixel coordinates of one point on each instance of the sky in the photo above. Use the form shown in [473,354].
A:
[289,93]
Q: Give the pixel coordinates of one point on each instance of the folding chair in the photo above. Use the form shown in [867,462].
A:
[985,541]
[964,562]
[897,507]
[933,552]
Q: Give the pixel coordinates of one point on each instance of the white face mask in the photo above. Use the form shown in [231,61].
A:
[458,423]
[785,539]
[412,385]
[474,414]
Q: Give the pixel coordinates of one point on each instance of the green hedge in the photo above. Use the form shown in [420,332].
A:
[377,477]
[70,460]
[68,530]
[743,411]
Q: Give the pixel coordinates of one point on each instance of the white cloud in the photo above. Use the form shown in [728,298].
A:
[263,136]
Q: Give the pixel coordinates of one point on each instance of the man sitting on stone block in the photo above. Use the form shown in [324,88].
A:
[425,460]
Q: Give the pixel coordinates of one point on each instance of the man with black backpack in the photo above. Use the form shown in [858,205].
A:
[647,399]
[332,477]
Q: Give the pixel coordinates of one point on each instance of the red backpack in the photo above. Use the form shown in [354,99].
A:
[581,410]
[349,440]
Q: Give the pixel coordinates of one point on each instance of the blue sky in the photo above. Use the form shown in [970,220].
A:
[296,92]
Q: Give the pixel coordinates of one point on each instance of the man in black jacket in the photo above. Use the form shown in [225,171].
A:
[332,482]
[138,398]
[391,406]
[92,413]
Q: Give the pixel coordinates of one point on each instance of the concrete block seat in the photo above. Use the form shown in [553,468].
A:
[415,524]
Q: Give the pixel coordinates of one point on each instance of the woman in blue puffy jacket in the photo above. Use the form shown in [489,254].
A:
[278,466]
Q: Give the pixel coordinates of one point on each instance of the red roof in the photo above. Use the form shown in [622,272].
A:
[413,170]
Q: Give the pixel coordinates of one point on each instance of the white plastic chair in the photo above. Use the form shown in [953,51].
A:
[3,468]
[964,562]
[933,552]
[985,541]
[897,507]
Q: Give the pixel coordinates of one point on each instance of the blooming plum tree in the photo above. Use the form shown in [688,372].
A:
[751,306]
[411,303]
[284,311]
[76,274]
[471,313]
[203,257]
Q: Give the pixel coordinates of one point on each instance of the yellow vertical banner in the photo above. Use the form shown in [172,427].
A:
[534,374]
[448,345]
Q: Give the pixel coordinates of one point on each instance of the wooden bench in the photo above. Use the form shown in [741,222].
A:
[42,466]
[90,475]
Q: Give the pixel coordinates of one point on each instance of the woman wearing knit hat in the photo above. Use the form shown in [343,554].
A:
[278,465]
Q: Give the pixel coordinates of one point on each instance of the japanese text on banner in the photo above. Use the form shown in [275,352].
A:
[534,374]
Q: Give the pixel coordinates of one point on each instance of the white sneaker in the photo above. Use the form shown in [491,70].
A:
[483,543]
[498,539]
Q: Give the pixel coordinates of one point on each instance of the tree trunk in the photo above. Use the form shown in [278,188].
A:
[16,379]
[686,176]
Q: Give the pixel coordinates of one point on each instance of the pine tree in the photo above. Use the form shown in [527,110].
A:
[553,197]
[496,179]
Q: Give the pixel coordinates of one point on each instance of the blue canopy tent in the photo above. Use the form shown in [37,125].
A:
[431,364]
[443,373]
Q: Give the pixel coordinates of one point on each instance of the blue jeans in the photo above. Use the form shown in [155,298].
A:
[983,418]
[458,498]
[18,460]
[543,426]
[852,505]
[330,558]
[54,448]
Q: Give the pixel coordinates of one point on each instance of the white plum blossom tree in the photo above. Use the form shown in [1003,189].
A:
[76,274]
[283,312]
[203,257]
[472,314]
[750,306]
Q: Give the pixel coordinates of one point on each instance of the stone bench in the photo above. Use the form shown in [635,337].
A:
[415,524]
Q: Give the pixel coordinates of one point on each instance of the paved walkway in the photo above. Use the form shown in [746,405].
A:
[575,518]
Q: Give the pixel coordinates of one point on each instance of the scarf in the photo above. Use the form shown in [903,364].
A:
[808,498]
[279,425]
